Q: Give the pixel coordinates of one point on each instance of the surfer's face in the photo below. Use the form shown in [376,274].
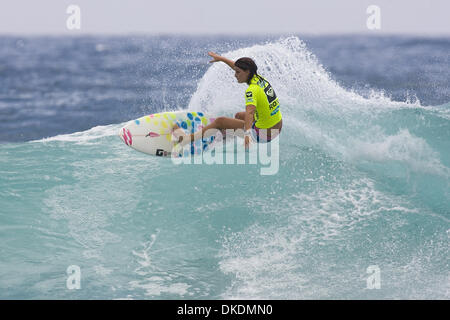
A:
[241,75]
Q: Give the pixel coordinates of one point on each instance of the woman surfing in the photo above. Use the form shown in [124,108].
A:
[261,120]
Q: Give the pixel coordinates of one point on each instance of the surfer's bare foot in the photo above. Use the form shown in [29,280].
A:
[177,134]
[184,139]
[181,138]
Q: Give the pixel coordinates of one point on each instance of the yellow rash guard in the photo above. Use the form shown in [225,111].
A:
[261,94]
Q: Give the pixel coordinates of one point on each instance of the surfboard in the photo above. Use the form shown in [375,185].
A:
[151,134]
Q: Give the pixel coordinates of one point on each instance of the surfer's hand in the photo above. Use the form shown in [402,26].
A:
[247,142]
[215,56]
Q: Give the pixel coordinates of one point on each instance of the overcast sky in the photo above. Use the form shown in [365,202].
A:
[422,17]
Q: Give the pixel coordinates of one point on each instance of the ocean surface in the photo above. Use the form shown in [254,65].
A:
[359,208]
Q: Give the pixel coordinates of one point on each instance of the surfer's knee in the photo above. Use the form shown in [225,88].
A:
[240,115]
[220,121]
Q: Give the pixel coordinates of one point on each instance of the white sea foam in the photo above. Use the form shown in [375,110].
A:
[297,76]
[402,147]
[94,133]
[281,262]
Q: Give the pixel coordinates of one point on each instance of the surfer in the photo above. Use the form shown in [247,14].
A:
[261,120]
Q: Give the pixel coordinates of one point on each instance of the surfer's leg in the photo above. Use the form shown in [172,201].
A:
[220,123]
[177,132]
[226,123]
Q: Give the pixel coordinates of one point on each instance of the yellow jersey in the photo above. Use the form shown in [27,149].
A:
[261,94]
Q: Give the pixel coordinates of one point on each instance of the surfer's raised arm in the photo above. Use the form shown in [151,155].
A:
[217,58]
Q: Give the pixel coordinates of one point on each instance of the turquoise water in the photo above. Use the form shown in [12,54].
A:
[363,181]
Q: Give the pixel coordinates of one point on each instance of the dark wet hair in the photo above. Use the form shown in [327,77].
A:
[247,64]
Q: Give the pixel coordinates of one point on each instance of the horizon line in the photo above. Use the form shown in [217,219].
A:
[224,34]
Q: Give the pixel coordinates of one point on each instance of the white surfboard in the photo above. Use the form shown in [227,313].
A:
[151,134]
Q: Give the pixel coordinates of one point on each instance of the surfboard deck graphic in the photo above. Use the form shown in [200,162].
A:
[152,134]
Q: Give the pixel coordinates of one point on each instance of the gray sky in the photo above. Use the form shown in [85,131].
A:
[423,17]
